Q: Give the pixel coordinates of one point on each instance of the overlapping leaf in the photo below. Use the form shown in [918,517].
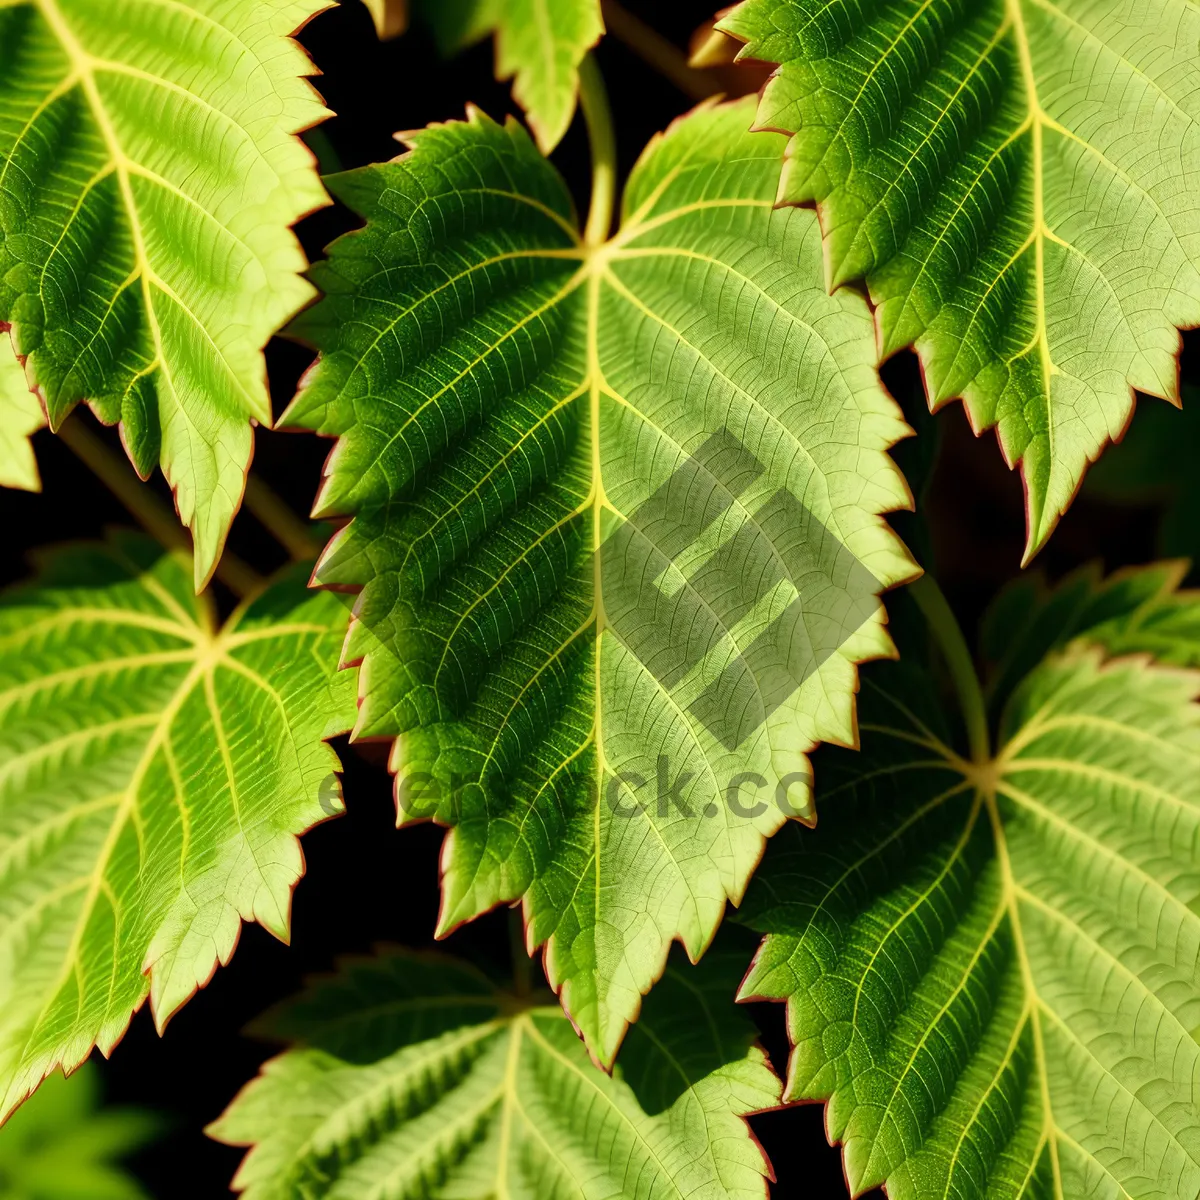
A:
[539,45]
[1017,182]
[506,398]
[20,416]
[154,774]
[993,971]
[1155,465]
[58,1147]
[148,178]
[422,1079]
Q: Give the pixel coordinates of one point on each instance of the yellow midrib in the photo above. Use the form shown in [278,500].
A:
[208,652]
[83,69]
[1037,119]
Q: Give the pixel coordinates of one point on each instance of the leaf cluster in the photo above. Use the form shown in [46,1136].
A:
[609,495]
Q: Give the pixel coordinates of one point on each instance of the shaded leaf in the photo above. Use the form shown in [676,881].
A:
[1016,181]
[507,1103]
[58,1147]
[154,775]
[1155,464]
[512,404]
[993,972]
[148,178]
[20,416]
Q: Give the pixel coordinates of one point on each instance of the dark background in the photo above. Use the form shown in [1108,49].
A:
[366,882]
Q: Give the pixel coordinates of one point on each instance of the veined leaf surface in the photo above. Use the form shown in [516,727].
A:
[154,775]
[1017,182]
[148,178]
[457,1089]
[20,416]
[539,45]
[507,399]
[993,971]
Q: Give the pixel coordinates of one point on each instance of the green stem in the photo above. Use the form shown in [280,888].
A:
[657,52]
[150,512]
[945,629]
[279,521]
[593,99]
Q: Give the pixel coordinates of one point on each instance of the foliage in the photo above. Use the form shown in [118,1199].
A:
[420,1077]
[1016,181]
[1153,465]
[991,966]
[59,1148]
[140,271]
[505,394]
[539,45]
[154,774]
[611,509]
[20,416]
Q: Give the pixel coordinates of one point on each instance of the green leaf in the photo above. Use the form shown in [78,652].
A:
[154,775]
[1135,611]
[1155,464]
[472,1093]
[148,178]
[58,1147]
[20,416]
[507,398]
[993,971]
[1016,180]
[539,45]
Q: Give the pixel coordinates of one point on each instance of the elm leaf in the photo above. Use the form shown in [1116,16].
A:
[530,430]
[20,416]
[473,1093]
[992,971]
[149,176]
[155,772]
[1017,182]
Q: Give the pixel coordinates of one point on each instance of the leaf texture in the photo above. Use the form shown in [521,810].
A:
[148,178]
[539,45]
[471,1093]
[993,972]
[20,416]
[508,401]
[1016,181]
[58,1147]
[154,775]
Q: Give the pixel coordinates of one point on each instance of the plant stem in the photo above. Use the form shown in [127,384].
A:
[150,512]
[949,637]
[279,521]
[520,956]
[593,99]
[657,52]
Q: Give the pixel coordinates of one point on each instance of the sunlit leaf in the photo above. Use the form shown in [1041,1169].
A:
[527,428]
[20,416]
[148,178]
[421,1078]
[539,45]
[154,775]
[993,970]
[1017,181]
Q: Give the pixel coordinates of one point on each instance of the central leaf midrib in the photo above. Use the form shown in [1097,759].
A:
[83,68]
